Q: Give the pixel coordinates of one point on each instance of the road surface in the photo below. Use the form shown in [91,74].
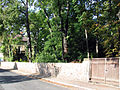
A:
[13,81]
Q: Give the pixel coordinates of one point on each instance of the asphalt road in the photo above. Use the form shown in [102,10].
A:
[13,81]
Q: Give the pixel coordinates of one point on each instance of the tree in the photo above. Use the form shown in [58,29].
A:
[9,18]
[26,13]
[62,29]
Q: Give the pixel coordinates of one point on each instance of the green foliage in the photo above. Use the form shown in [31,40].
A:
[52,20]
[46,58]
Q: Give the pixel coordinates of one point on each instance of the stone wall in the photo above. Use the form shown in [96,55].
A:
[70,71]
[74,71]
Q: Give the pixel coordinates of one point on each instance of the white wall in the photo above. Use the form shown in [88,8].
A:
[8,65]
[70,71]
[74,71]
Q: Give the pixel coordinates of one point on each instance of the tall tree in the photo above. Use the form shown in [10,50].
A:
[26,13]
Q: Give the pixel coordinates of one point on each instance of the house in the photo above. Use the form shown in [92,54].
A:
[20,51]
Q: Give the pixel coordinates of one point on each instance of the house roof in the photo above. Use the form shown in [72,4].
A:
[25,39]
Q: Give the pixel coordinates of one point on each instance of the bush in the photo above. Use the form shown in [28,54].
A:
[45,58]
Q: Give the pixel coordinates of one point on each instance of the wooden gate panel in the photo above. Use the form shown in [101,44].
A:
[97,70]
[105,70]
[112,70]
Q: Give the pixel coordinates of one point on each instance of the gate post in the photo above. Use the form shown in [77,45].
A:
[90,71]
[105,70]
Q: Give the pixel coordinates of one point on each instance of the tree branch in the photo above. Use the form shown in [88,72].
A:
[46,14]
[23,2]
[61,18]
[19,8]
[22,11]
[110,24]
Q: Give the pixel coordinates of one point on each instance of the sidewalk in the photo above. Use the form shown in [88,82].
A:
[74,85]
[83,85]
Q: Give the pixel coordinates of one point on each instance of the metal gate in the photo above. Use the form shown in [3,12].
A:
[105,70]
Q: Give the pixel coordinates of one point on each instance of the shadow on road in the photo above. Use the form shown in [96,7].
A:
[44,71]
[5,70]
[10,77]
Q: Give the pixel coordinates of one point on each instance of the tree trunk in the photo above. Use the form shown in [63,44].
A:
[62,46]
[65,45]
[9,51]
[119,42]
[97,50]
[86,35]
[28,33]
[62,28]
[66,30]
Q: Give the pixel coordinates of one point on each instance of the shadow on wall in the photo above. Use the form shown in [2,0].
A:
[47,70]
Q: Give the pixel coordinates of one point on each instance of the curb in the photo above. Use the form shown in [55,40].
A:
[67,84]
[59,83]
